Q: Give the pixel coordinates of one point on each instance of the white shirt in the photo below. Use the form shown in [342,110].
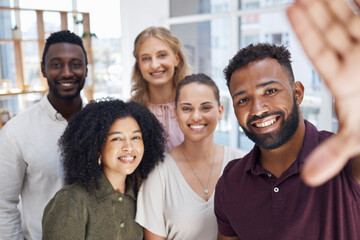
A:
[30,167]
[167,206]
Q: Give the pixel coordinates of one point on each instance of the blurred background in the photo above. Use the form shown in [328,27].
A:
[211,31]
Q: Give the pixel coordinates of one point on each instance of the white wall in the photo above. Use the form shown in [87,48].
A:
[136,15]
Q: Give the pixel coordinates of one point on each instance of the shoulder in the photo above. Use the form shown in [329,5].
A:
[71,193]
[232,153]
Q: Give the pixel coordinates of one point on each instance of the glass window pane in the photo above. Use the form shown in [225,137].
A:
[65,5]
[6,24]
[52,22]
[207,46]
[28,25]
[8,71]
[253,4]
[191,7]
[31,65]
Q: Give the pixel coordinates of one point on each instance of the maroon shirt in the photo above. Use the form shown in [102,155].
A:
[253,204]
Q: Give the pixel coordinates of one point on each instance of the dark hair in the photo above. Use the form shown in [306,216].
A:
[258,52]
[61,37]
[199,78]
[87,132]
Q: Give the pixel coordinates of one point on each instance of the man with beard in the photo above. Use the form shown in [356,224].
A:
[261,196]
[29,156]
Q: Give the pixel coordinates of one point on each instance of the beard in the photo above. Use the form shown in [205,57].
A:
[275,139]
[66,96]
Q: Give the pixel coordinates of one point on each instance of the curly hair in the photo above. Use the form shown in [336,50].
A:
[87,131]
[199,78]
[139,86]
[258,52]
[61,37]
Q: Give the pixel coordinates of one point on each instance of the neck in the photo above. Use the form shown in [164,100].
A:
[67,108]
[117,181]
[200,150]
[161,94]
[278,160]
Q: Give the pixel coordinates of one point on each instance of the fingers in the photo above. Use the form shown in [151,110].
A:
[327,160]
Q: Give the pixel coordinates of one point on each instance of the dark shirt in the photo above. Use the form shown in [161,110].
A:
[253,204]
[104,214]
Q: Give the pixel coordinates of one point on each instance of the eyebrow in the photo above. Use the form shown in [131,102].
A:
[112,133]
[262,85]
[189,104]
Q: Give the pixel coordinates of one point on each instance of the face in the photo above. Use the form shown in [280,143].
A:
[198,111]
[157,62]
[65,70]
[123,149]
[265,103]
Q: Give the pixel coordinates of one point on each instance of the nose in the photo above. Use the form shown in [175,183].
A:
[155,63]
[127,145]
[258,107]
[67,71]
[196,115]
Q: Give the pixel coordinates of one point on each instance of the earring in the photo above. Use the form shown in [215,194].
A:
[99,161]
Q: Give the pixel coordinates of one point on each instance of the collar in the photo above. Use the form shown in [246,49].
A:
[50,110]
[160,109]
[311,141]
[105,189]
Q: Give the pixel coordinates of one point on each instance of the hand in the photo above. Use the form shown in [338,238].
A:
[329,32]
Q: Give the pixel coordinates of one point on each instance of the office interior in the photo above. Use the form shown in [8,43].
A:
[211,32]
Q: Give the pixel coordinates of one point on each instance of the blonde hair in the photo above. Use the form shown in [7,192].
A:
[139,86]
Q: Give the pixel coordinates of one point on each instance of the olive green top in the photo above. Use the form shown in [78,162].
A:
[74,213]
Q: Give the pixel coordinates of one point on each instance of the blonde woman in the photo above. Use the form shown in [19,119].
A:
[160,65]
[176,201]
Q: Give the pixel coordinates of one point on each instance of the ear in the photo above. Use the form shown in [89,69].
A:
[43,69]
[221,111]
[298,89]
[177,60]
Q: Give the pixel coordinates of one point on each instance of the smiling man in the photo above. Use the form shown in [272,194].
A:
[29,156]
[262,195]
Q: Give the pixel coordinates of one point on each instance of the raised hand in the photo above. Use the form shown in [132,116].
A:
[329,32]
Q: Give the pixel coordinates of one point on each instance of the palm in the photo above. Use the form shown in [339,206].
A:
[329,33]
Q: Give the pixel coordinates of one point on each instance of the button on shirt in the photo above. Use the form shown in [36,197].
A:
[100,214]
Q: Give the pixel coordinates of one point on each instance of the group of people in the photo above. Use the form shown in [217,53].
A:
[148,168]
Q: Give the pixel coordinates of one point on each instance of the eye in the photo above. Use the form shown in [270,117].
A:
[186,109]
[162,55]
[242,101]
[144,59]
[206,108]
[55,65]
[76,65]
[136,138]
[270,91]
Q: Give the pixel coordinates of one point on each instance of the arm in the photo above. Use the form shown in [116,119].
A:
[12,172]
[64,217]
[151,236]
[329,33]
[222,237]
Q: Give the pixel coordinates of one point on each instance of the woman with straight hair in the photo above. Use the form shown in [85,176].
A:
[176,201]
[160,65]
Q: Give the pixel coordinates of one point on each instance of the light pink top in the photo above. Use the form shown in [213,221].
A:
[166,115]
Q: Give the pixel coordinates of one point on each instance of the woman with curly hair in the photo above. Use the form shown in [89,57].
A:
[176,201]
[160,65]
[107,149]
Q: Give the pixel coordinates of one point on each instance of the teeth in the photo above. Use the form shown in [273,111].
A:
[66,84]
[127,158]
[265,124]
[197,126]
[157,74]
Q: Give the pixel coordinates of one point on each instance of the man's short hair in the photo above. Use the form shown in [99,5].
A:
[259,52]
[60,37]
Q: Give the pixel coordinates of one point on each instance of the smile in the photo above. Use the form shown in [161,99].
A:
[266,123]
[157,74]
[127,159]
[197,126]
